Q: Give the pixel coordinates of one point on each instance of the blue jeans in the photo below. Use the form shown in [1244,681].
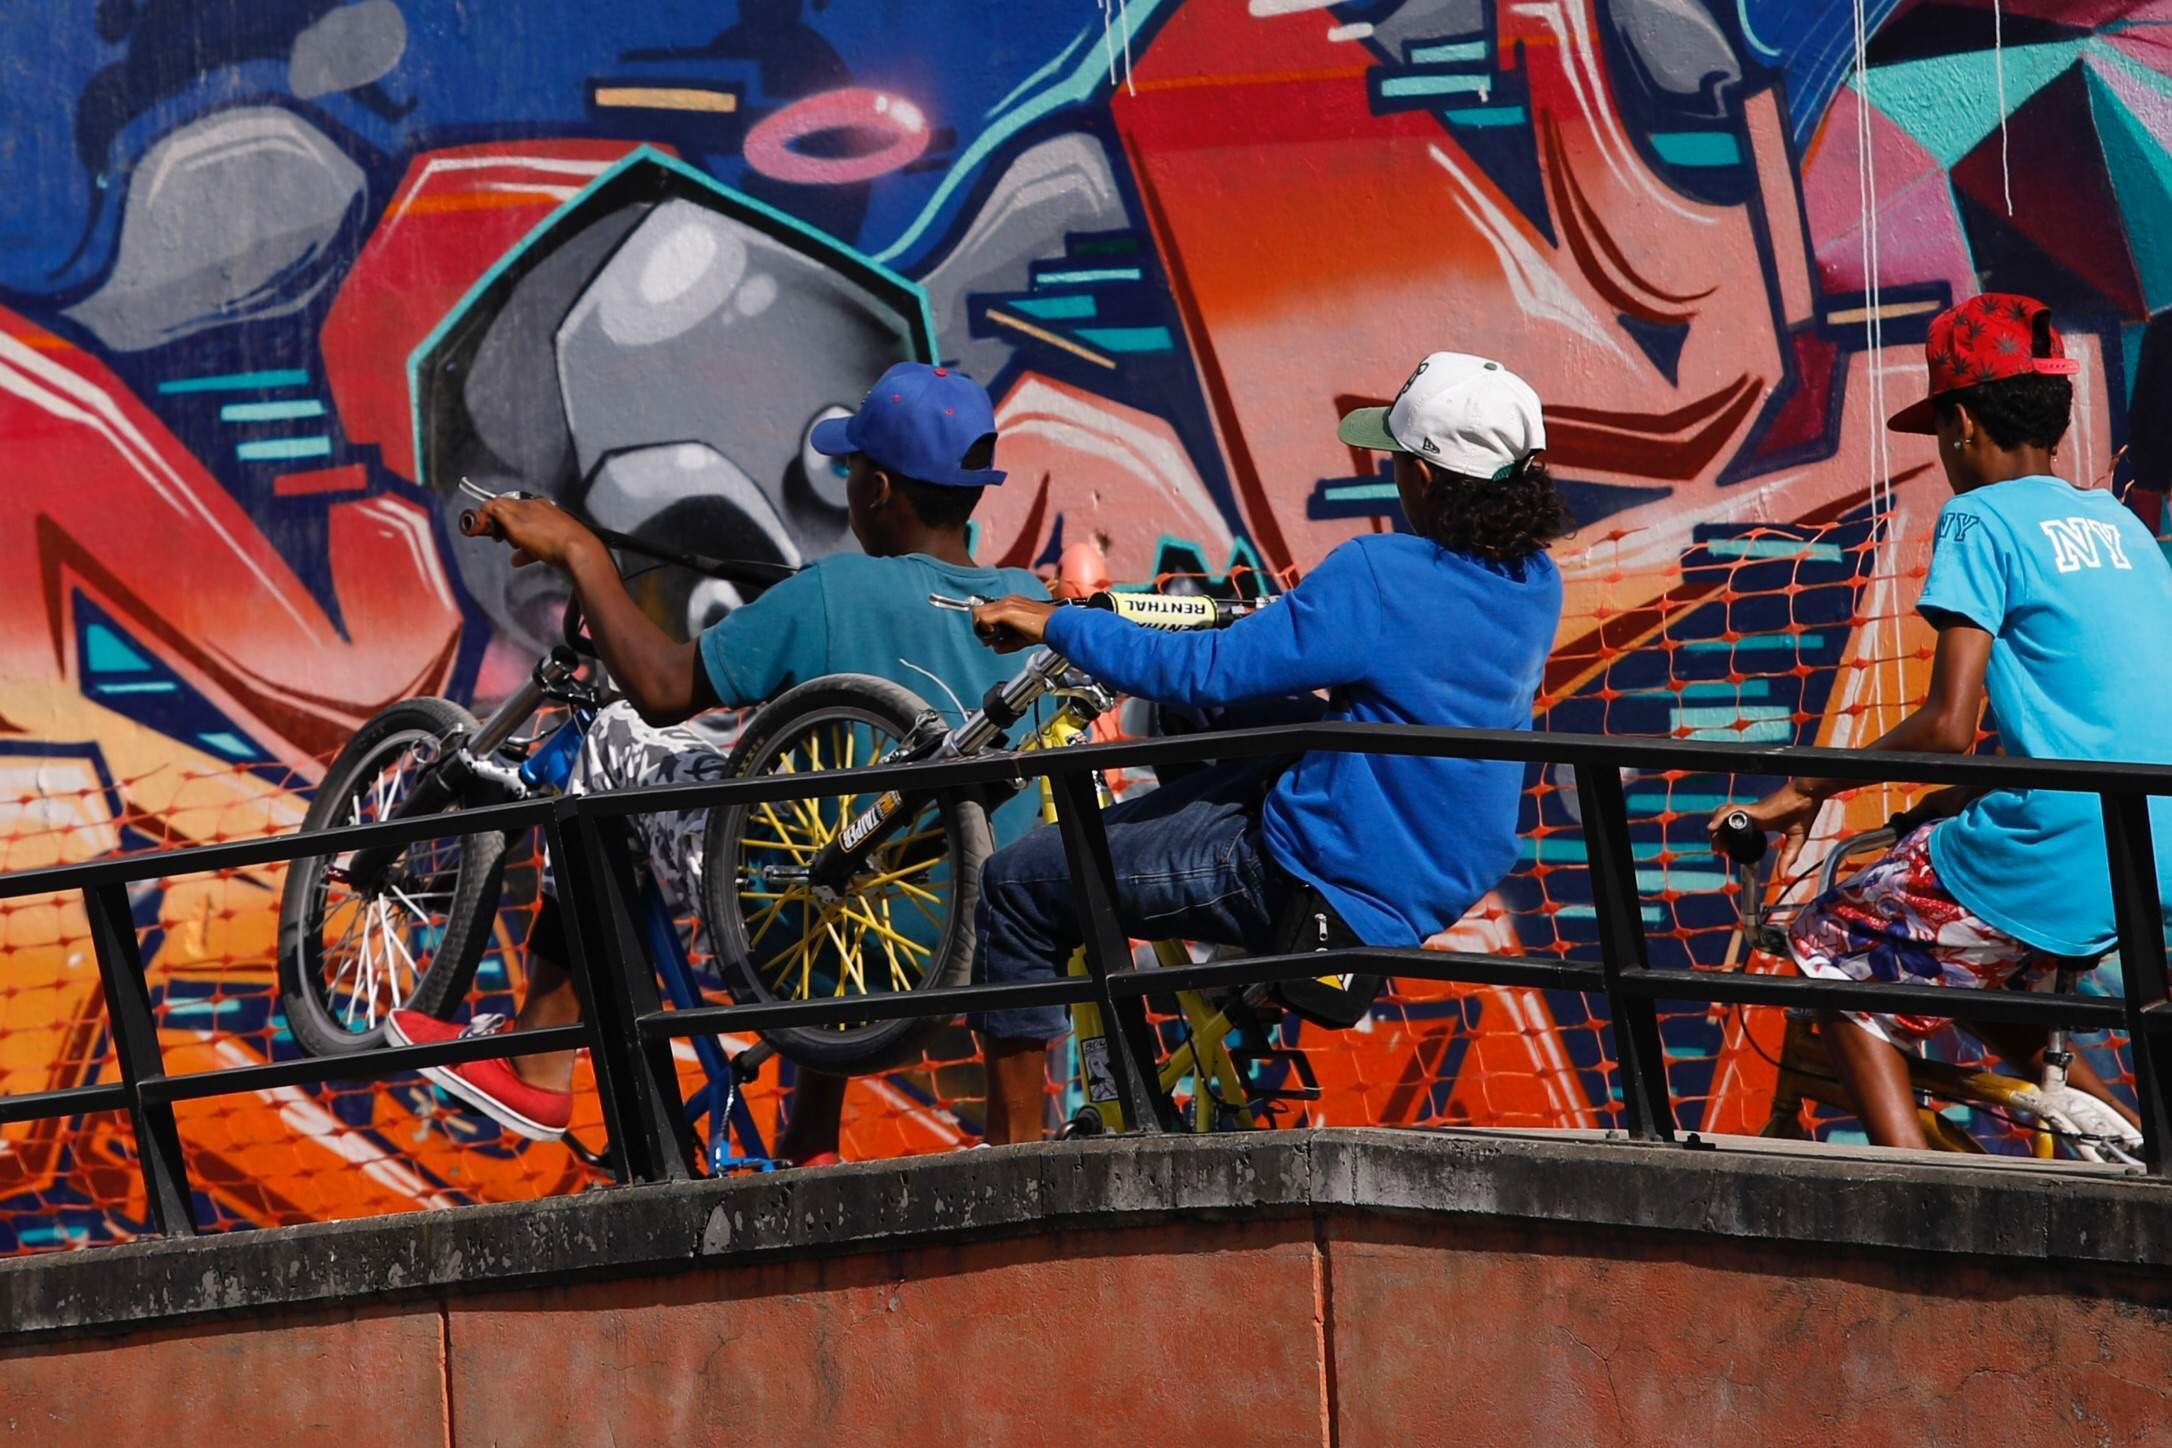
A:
[1190,864]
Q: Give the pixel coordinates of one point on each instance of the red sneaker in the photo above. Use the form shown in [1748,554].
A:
[491,1087]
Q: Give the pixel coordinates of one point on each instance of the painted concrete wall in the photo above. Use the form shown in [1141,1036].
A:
[1355,1330]
[274,273]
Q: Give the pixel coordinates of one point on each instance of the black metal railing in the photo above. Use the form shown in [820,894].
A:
[629,1032]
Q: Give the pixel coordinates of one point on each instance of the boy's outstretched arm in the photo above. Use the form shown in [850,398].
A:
[1944,723]
[659,675]
[1319,635]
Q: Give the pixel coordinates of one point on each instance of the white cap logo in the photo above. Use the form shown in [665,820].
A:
[1470,414]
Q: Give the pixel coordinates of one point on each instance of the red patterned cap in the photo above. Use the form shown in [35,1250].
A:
[1986,338]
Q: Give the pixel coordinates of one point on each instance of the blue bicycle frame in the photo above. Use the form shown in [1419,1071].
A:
[550,766]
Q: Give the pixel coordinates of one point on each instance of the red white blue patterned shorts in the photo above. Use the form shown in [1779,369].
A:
[1895,921]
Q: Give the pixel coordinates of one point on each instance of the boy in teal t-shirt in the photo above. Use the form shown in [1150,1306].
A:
[2047,597]
[918,456]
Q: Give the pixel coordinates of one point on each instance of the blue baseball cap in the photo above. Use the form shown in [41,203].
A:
[920,421]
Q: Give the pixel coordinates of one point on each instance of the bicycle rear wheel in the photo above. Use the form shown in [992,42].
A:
[906,921]
[347,958]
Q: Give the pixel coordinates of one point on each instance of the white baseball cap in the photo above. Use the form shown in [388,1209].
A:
[1469,415]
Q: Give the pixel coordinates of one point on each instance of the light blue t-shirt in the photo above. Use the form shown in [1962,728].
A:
[2077,598]
[853,614]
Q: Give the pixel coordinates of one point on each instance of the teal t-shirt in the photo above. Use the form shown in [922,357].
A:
[852,614]
[2075,594]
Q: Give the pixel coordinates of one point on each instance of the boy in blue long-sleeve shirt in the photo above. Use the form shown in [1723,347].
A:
[1449,623]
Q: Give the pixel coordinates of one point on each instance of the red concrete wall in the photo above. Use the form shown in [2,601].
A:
[1263,1332]
[1607,1337]
[350,1378]
[1015,1342]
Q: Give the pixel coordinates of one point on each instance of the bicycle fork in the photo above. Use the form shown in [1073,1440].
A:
[467,763]
[2057,1058]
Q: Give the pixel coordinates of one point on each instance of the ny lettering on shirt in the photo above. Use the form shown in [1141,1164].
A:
[2074,543]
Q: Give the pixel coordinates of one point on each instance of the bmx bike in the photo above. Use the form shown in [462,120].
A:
[841,895]
[369,931]
[2052,1112]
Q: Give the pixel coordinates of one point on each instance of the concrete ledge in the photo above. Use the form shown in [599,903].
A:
[1735,1191]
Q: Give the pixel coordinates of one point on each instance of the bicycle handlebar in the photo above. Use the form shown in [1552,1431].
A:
[745,570]
[1739,839]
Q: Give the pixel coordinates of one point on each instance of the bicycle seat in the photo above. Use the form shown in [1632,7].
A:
[1335,1002]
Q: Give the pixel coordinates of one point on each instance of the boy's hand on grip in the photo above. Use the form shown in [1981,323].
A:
[1787,812]
[538,530]
[1010,624]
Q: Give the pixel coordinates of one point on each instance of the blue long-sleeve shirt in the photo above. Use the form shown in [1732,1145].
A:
[1401,631]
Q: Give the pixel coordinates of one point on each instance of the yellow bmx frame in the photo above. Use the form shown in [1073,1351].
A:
[1204,1056]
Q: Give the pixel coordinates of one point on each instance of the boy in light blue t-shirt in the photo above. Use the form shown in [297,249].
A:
[2050,599]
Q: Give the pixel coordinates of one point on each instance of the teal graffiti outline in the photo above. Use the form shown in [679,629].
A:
[639,156]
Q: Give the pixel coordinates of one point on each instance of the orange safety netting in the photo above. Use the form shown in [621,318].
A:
[1761,635]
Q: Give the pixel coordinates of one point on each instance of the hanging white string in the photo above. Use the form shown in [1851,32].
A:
[1889,680]
[1998,69]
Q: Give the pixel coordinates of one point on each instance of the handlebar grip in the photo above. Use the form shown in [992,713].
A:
[1740,840]
[474,525]
[1169,611]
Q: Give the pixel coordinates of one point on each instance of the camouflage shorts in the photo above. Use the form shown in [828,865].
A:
[621,751]
[1895,920]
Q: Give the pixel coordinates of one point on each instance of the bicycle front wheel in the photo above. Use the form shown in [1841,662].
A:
[348,957]
[904,923]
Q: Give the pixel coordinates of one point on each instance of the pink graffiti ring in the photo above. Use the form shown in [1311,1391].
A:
[901,131]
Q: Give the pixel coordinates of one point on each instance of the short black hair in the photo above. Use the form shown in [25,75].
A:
[937,504]
[2032,409]
[941,505]
[1503,520]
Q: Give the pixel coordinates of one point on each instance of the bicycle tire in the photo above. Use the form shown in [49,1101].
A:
[739,917]
[476,866]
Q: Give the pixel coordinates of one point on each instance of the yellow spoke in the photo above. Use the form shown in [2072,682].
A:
[880,882]
[859,953]
[915,891]
[783,840]
[771,912]
[759,842]
[898,980]
[806,963]
[846,963]
[933,919]
[891,935]
[935,833]
[808,821]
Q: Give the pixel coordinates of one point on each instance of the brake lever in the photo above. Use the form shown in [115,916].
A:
[471,521]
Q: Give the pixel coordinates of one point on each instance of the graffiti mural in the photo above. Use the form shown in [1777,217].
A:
[275,276]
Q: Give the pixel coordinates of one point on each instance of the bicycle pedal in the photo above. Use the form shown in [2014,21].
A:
[1300,1066]
[583,1153]
[1286,1093]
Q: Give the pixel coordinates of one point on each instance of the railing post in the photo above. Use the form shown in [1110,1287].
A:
[638,1084]
[135,1047]
[1638,1052]
[2140,919]
[1093,896]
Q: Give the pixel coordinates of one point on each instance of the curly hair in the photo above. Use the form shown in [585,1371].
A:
[2030,409]
[1503,520]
